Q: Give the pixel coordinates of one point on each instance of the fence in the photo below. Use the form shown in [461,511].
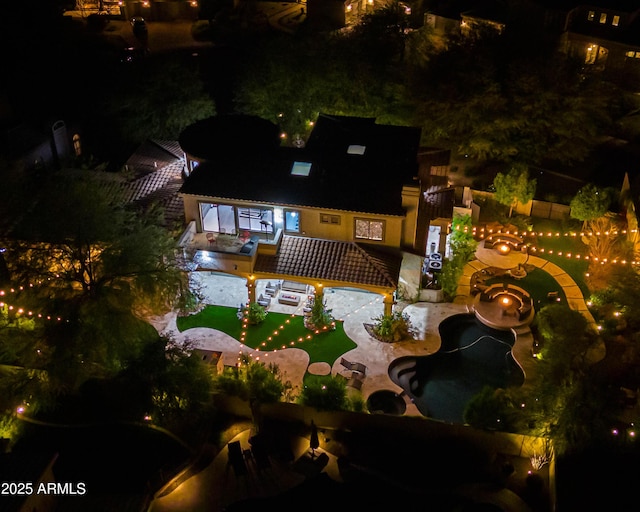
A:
[534,208]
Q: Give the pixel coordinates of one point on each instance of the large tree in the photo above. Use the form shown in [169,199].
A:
[571,401]
[514,187]
[153,98]
[358,73]
[84,271]
[511,97]
[591,202]
[76,233]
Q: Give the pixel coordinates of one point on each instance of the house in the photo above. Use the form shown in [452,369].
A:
[41,146]
[338,212]
[604,35]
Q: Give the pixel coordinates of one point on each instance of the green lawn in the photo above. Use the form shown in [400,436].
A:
[278,331]
[562,250]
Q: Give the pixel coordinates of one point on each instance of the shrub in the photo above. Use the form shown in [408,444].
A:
[325,394]
[392,328]
[320,317]
[255,313]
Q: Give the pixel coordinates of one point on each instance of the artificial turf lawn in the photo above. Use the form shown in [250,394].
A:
[556,248]
[278,331]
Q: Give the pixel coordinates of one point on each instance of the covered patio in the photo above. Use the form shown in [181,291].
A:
[316,264]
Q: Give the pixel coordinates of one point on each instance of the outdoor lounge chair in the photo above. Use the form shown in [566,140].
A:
[236,458]
[272,289]
[259,452]
[345,363]
[355,381]
[359,367]
[264,301]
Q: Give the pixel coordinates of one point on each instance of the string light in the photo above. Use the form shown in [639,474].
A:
[261,345]
[482,233]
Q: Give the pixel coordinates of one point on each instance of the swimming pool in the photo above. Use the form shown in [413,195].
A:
[472,355]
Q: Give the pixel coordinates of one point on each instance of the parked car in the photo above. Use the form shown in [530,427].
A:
[139,27]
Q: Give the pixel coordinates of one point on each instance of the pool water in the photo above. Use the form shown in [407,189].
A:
[472,356]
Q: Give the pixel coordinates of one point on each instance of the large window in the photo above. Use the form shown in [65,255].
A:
[369,229]
[292,221]
[220,218]
[256,219]
[77,145]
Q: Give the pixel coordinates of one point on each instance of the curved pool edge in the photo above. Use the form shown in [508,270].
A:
[522,351]
[402,370]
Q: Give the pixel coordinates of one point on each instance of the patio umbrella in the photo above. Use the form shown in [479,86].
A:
[314,442]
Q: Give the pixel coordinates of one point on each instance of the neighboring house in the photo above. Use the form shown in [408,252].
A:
[488,18]
[449,19]
[40,147]
[338,212]
[605,37]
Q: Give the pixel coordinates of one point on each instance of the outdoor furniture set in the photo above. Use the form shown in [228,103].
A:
[290,298]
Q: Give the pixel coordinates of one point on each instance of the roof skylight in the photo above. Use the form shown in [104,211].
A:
[300,168]
[356,149]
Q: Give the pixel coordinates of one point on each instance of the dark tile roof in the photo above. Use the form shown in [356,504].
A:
[170,146]
[153,155]
[349,262]
[370,182]
[161,188]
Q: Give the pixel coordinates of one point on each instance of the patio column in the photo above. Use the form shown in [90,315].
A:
[251,288]
[388,304]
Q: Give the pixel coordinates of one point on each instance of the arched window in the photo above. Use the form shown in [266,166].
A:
[77,146]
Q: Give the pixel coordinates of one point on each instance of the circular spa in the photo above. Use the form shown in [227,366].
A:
[472,355]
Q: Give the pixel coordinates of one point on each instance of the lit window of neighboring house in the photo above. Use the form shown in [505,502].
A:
[292,221]
[369,229]
[633,54]
[77,146]
[603,17]
[591,15]
[615,21]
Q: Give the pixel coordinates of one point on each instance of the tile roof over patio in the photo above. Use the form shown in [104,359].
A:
[341,263]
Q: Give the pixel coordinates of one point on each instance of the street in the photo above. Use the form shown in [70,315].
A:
[176,35]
